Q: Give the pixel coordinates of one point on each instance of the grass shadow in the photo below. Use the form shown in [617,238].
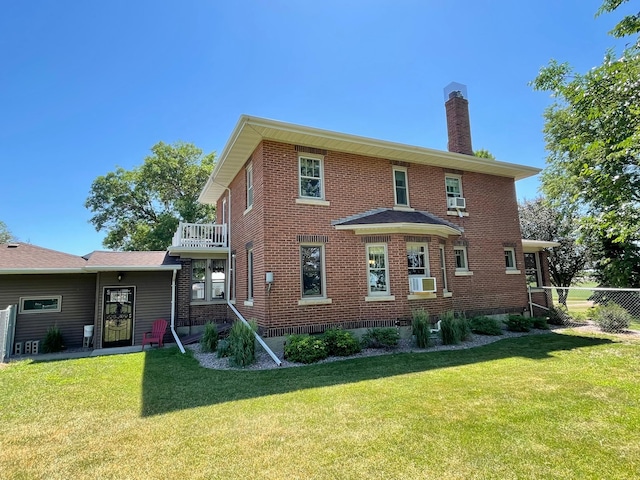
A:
[173,381]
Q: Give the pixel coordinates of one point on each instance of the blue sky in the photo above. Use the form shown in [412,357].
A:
[88,86]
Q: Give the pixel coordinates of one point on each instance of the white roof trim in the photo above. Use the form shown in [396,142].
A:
[536,245]
[132,268]
[382,228]
[250,131]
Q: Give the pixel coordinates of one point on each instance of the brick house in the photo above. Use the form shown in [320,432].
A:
[320,228]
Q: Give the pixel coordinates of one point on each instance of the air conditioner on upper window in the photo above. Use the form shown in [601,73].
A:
[422,284]
[456,202]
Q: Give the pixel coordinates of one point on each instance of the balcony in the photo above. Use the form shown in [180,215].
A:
[199,236]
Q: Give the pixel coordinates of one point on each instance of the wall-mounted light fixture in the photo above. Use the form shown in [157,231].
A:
[120,276]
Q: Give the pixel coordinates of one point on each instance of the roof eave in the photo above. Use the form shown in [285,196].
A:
[403,227]
[250,131]
[33,271]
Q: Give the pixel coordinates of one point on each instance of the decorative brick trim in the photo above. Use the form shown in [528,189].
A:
[461,242]
[316,151]
[376,239]
[509,244]
[399,164]
[453,171]
[313,238]
[417,239]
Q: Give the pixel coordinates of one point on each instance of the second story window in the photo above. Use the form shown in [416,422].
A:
[249,185]
[401,186]
[453,185]
[311,177]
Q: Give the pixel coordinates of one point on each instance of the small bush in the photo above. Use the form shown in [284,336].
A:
[454,329]
[518,323]
[209,339]
[612,317]
[485,326]
[381,338]
[558,316]
[421,327]
[540,323]
[305,348]
[52,341]
[242,344]
[224,348]
[340,342]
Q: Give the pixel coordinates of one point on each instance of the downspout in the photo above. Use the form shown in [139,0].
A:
[173,311]
[231,306]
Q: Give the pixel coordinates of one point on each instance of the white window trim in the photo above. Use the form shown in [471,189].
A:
[538,272]
[462,271]
[250,285]
[514,269]
[395,188]
[386,293]
[250,191]
[317,298]
[21,309]
[427,265]
[442,265]
[311,156]
[208,298]
[454,176]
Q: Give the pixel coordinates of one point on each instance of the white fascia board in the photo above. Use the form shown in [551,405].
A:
[249,131]
[530,246]
[30,271]
[418,228]
[132,268]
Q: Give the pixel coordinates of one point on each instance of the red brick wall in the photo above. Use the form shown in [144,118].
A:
[355,184]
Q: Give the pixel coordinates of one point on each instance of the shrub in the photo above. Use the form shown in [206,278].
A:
[485,326]
[340,342]
[305,348]
[518,323]
[52,341]
[381,338]
[540,323]
[209,339]
[224,348]
[242,344]
[421,327]
[453,328]
[612,317]
[558,316]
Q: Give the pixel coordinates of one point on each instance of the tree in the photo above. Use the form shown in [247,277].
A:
[482,153]
[592,134]
[5,235]
[541,220]
[140,209]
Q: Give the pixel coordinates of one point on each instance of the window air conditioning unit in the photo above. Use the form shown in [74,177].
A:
[423,284]
[456,202]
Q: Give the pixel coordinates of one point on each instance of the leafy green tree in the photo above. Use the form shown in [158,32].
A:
[140,208]
[541,220]
[482,153]
[592,134]
[5,235]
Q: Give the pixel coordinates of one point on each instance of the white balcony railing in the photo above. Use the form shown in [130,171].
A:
[200,235]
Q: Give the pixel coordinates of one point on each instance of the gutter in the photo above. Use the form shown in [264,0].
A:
[173,311]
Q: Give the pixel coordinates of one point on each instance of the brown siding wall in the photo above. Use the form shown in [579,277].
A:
[152,301]
[355,184]
[78,303]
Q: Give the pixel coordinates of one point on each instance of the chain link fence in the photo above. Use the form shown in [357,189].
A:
[610,310]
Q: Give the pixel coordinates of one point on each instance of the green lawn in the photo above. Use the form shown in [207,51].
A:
[542,406]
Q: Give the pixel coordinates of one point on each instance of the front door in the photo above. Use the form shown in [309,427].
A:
[118,308]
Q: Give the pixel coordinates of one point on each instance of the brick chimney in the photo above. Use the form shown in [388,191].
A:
[458,126]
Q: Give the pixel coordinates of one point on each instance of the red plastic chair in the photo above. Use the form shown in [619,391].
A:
[156,334]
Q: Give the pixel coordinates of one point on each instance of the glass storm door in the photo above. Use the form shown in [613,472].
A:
[118,311]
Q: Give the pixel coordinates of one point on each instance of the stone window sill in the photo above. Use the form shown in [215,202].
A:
[512,272]
[463,273]
[380,298]
[314,301]
[453,213]
[248,303]
[312,201]
[248,209]
[447,294]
